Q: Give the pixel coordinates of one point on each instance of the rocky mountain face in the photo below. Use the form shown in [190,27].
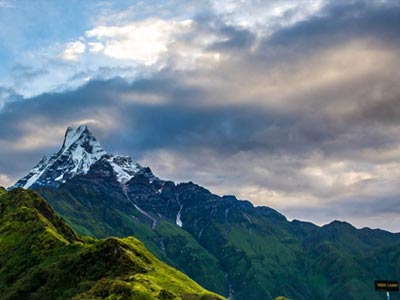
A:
[41,257]
[227,245]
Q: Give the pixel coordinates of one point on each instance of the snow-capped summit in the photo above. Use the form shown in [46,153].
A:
[79,152]
[79,135]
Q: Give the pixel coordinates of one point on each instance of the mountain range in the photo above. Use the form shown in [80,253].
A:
[227,245]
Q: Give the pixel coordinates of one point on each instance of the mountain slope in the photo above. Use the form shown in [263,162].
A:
[42,258]
[252,252]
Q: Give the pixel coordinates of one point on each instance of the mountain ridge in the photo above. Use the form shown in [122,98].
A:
[254,252]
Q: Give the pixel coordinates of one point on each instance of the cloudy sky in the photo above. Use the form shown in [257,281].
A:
[289,104]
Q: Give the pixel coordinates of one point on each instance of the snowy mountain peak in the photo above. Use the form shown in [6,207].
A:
[81,137]
[79,152]
[73,134]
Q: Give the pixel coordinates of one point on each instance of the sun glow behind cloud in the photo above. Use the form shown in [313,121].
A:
[144,42]
[73,51]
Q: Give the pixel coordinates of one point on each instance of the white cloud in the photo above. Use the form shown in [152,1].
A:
[5,181]
[73,51]
[96,47]
[6,4]
[266,15]
[144,42]
[335,175]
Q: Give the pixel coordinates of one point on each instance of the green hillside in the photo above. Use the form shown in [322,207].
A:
[232,247]
[98,214]
[42,258]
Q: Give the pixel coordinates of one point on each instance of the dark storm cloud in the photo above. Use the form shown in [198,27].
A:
[177,123]
[54,106]
[343,20]
[386,111]
[234,39]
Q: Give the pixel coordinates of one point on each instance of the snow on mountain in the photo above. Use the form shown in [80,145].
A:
[35,173]
[125,169]
[79,152]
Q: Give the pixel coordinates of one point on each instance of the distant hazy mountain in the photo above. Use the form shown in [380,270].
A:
[227,245]
[42,258]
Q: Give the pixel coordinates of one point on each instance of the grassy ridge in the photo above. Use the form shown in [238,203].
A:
[98,214]
[42,258]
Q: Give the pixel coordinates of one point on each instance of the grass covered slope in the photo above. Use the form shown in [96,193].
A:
[42,258]
[250,252]
[98,214]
